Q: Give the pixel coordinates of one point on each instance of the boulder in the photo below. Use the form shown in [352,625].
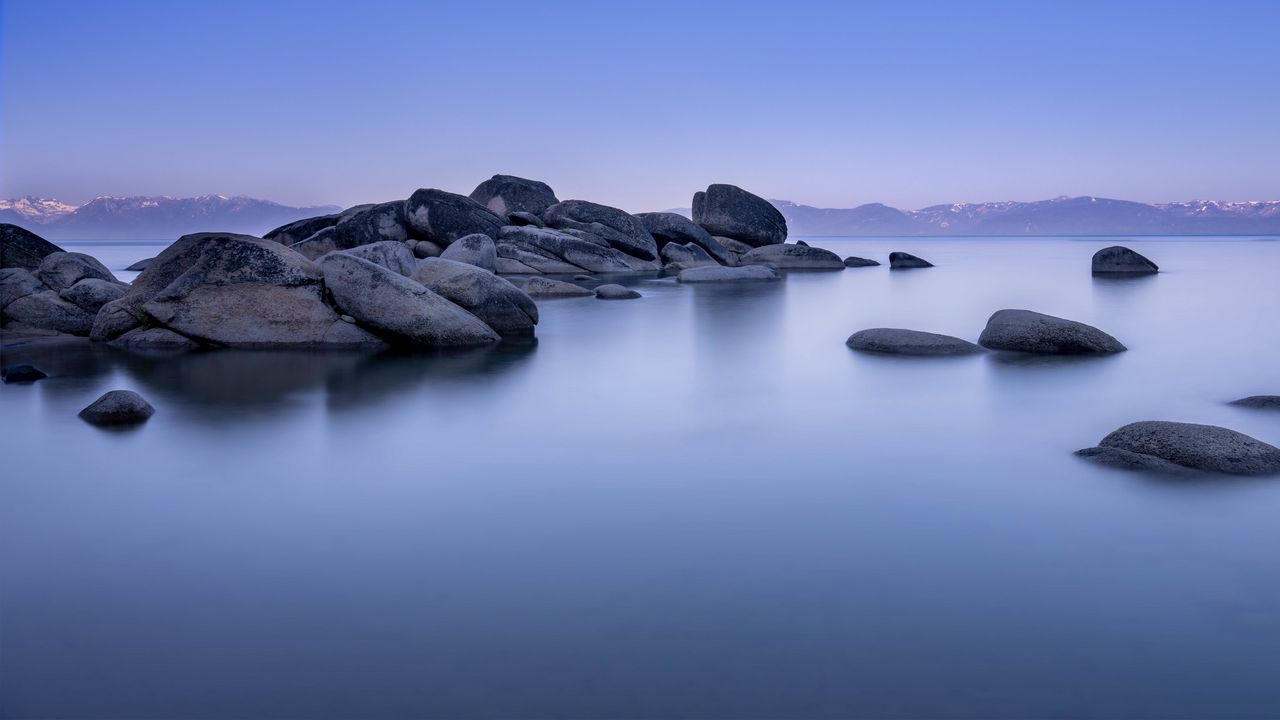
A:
[793,257]
[117,318]
[398,307]
[525,218]
[61,270]
[443,217]
[92,293]
[384,221]
[154,339]
[46,310]
[1259,402]
[623,231]
[896,341]
[540,287]
[735,247]
[1120,260]
[20,374]
[508,266]
[730,211]
[1201,447]
[423,249]
[322,243]
[475,249]
[501,305]
[906,261]
[20,248]
[710,274]
[392,255]
[853,261]
[686,255]
[300,230]
[17,282]
[1126,460]
[520,259]
[673,228]
[507,194]
[575,251]
[1033,332]
[616,292]
[140,265]
[118,407]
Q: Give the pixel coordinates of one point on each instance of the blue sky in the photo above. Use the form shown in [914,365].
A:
[640,104]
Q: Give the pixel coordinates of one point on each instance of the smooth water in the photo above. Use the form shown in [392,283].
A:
[696,504]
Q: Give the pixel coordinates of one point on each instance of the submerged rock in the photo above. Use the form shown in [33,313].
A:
[118,407]
[853,262]
[501,305]
[300,230]
[732,212]
[21,248]
[909,342]
[476,249]
[1202,447]
[616,292]
[539,287]
[709,274]
[906,261]
[443,217]
[621,230]
[1120,260]
[1033,332]
[793,257]
[21,374]
[1259,402]
[506,195]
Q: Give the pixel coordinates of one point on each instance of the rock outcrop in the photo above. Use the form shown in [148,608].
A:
[856,262]
[62,294]
[732,212]
[616,292]
[118,407]
[672,228]
[679,256]
[540,287]
[1201,447]
[1259,402]
[1033,332]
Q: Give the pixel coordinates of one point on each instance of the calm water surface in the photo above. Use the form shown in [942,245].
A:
[697,504]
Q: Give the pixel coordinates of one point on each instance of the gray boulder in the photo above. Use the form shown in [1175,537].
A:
[20,248]
[18,282]
[501,305]
[475,249]
[575,251]
[156,339]
[896,341]
[398,307]
[140,265]
[92,293]
[685,255]
[519,258]
[1033,332]
[392,255]
[730,211]
[855,262]
[623,231]
[21,374]
[423,249]
[673,228]
[61,270]
[1127,460]
[1202,447]
[443,217]
[320,244]
[709,274]
[47,311]
[736,248]
[540,287]
[384,221]
[907,261]
[300,230]
[507,194]
[1259,402]
[793,257]
[616,292]
[1120,260]
[525,218]
[118,407]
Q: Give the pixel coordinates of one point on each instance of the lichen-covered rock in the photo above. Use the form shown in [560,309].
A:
[525,218]
[907,261]
[61,270]
[1033,332]
[475,249]
[18,282]
[118,407]
[21,248]
[443,217]
[1202,447]
[300,230]
[622,230]
[897,341]
[117,318]
[520,258]
[508,194]
[732,212]
[501,305]
[47,311]
[793,257]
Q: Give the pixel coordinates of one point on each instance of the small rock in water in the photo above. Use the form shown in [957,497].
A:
[1120,260]
[21,373]
[1259,402]
[852,261]
[906,261]
[118,407]
[1033,332]
[909,342]
[1141,445]
[616,292]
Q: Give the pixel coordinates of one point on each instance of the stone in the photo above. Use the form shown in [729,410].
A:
[730,211]
[507,266]
[16,283]
[140,265]
[382,222]
[21,248]
[736,247]
[117,318]
[673,228]
[621,230]
[154,339]
[575,251]
[686,255]
[1033,332]
[616,292]
[897,341]
[318,245]
[540,287]
[1202,447]
[423,249]
[392,255]
[501,305]
[513,258]
[709,274]
[855,262]
[20,374]
[524,218]
[118,407]
[507,194]
[399,308]
[1126,460]
[906,261]
[475,249]
[92,293]
[1259,402]
[61,270]
[793,257]
[300,230]
[1120,260]
[443,217]
[47,311]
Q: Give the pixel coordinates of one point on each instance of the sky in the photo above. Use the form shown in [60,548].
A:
[639,104]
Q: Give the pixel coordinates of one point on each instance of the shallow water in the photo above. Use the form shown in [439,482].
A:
[699,503]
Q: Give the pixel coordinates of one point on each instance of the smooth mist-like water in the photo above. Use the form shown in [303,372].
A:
[695,504]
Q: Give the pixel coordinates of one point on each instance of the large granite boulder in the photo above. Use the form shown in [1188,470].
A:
[730,211]
[540,287]
[710,274]
[61,270]
[668,227]
[501,305]
[45,310]
[1033,332]
[475,249]
[118,407]
[16,283]
[520,259]
[793,257]
[92,293]
[21,248]
[372,224]
[581,253]
[399,308]
[620,229]
[1202,447]
[507,194]
[896,341]
[392,255]
[443,217]
[300,230]
[681,256]
[1120,260]
[907,261]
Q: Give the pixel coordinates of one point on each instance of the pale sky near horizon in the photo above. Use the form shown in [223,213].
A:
[640,104]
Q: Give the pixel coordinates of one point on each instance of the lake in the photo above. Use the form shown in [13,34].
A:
[696,504]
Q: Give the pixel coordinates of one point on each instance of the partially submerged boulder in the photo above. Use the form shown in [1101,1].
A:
[621,230]
[907,261]
[118,407]
[21,248]
[856,262]
[793,257]
[540,287]
[1259,402]
[475,249]
[21,374]
[520,258]
[616,292]
[709,274]
[1033,332]
[1201,447]
[501,305]
[1120,260]
[730,211]
[443,217]
[507,194]
[140,265]
[896,341]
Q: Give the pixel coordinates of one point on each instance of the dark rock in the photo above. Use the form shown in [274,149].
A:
[672,228]
[710,274]
[318,245]
[501,305]
[520,259]
[507,194]
[540,287]
[476,249]
[852,261]
[392,255]
[91,294]
[793,257]
[622,230]
[525,218]
[1033,332]
[730,211]
[736,247]
[46,311]
[802,243]
[1120,260]
[156,339]
[17,283]
[61,270]
[1126,460]
[616,292]
[443,217]
[117,318]
[118,407]
[21,248]
[140,265]
[906,261]
[1259,402]
[1202,447]
[300,230]
[423,249]
[20,374]
[686,256]
[909,342]
[575,251]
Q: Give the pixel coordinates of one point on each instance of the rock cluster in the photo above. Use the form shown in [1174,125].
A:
[42,286]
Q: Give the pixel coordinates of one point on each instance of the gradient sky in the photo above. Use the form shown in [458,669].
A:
[640,104]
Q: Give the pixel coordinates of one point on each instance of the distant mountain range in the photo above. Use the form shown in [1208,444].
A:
[1060,216]
[148,218]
